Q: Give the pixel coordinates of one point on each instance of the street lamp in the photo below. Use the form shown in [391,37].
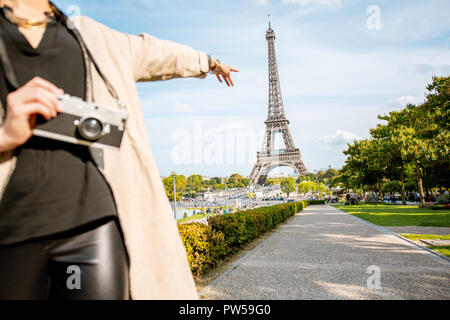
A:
[226,194]
[174,196]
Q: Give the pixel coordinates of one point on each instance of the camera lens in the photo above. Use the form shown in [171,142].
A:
[91,129]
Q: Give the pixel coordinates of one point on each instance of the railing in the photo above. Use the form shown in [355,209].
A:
[276,152]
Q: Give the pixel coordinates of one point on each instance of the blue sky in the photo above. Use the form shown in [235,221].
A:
[341,63]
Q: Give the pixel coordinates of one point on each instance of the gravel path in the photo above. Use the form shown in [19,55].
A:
[324,253]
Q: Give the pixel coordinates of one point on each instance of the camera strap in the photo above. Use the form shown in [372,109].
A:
[9,73]
[97,154]
[7,66]
[108,84]
[70,26]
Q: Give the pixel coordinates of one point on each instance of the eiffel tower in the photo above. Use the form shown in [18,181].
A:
[269,157]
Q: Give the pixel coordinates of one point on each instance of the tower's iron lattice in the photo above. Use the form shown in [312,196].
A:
[269,158]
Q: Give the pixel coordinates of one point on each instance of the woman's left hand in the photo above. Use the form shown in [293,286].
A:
[224,73]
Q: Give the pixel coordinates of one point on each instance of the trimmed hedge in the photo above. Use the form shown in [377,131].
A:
[226,234]
[316,201]
[244,226]
[204,246]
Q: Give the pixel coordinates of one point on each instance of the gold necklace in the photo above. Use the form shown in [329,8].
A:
[32,24]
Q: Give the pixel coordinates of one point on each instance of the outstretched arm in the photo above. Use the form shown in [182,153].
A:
[153,59]
[156,59]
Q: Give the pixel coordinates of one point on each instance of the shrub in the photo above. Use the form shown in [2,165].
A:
[244,226]
[317,202]
[207,244]
[232,226]
[443,199]
[437,206]
[204,246]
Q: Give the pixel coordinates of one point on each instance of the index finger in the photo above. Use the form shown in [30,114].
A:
[38,81]
[231,81]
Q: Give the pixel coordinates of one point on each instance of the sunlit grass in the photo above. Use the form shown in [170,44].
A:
[193,217]
[445,250]
[398,215]
[413,236]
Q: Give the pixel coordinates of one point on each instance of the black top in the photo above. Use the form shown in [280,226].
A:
[56,186]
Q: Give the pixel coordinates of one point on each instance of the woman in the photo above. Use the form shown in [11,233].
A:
[79,223]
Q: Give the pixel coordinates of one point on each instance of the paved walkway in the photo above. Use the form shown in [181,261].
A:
[324,253]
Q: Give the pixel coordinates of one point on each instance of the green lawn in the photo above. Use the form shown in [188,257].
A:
[398,215]
[193,217]
[445,250]
[413,236]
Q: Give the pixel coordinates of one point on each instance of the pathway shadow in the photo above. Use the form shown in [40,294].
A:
[325,255]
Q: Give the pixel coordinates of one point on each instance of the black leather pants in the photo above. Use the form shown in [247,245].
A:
[90,264]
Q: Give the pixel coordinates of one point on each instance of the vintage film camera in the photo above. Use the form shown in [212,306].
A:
[84,123]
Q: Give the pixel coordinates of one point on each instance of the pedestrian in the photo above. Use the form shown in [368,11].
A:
[62,205]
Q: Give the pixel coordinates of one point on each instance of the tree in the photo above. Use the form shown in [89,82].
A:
[287,185]
[321,188]
[360,168]
[237,181]
[195,180]
[304,186]
[416,137]
[436,111]
[235,177]
[273,181]
[329,177]
[180,184]
[216,180]
[417,140]
[389,136]
[377,162]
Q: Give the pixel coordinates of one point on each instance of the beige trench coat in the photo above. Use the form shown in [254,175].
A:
[158,264]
